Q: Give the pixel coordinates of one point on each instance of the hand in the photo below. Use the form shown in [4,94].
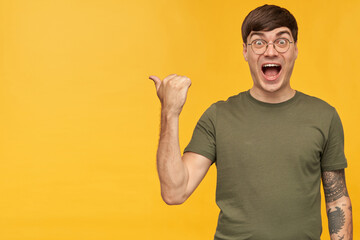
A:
[172,92]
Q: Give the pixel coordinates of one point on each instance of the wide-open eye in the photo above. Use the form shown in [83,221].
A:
[259,43]
[282,42]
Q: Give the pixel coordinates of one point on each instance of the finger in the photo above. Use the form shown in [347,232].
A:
[171,76]
[182,80]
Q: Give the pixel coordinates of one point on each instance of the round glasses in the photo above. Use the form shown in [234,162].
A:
[259,46]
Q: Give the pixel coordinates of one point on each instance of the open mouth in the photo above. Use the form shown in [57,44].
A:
[271,70]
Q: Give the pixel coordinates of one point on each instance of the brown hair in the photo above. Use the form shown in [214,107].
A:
[267,18]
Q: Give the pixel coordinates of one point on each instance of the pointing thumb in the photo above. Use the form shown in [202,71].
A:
[156,80]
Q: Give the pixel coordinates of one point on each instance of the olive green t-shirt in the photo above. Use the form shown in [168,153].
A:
[269,158]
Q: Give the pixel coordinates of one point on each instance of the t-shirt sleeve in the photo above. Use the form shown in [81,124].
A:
[333,156]
[203,140]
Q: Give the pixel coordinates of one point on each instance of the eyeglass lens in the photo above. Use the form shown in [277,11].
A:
[281,45]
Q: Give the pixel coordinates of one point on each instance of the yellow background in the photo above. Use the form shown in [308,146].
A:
[79,118]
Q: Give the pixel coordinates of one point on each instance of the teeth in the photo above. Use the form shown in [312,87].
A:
[271,65]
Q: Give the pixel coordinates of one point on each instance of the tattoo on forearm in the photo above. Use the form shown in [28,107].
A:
[342,237]
[334,185]
[336,220]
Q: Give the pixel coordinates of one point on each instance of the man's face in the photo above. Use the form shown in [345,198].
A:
[270,78]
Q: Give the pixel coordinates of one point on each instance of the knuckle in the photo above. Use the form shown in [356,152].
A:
[178,82]
[172,84]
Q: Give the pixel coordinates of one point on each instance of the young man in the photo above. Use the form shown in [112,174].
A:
[271,145]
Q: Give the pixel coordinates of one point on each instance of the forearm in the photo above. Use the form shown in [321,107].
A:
[172,172]
[338,205]
[339,214]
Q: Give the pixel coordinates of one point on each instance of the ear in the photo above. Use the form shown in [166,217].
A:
[296,49]
[245,51]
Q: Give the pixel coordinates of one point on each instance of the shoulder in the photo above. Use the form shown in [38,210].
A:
[316,105]
[230,102]
[222,106]
[317,102]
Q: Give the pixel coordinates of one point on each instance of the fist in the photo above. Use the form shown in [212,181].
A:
[172,92]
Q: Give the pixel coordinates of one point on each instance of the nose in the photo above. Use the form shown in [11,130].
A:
[270,50]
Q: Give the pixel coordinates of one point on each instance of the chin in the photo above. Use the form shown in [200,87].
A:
[271,87]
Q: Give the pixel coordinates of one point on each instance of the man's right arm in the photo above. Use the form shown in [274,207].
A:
[179,176]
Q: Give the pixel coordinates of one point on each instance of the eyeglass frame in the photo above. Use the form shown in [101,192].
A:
[267,44]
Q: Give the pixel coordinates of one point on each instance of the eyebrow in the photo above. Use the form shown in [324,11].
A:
[277,34]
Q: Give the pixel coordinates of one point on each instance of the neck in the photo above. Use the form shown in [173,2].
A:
[272,97]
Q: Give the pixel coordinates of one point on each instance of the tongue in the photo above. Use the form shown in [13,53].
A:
[271,71]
